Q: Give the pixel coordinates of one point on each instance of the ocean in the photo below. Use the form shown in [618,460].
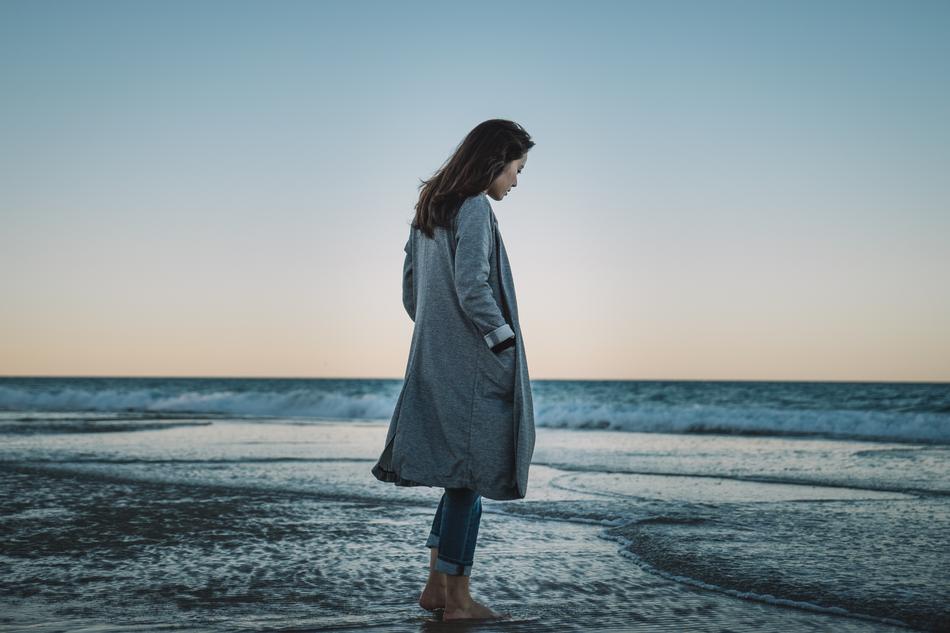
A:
[217,504]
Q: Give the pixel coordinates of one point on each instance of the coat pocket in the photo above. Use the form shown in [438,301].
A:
[498,373]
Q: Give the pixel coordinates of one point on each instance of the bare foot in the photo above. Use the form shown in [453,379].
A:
[433,597]
[472,610]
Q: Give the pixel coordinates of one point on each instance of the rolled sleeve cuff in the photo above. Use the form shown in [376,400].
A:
[498,335]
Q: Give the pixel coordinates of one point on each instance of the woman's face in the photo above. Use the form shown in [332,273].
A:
[507,179]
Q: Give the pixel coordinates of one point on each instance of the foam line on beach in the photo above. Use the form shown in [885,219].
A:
[74,469]
[240,460]
[625,551]
[764,479]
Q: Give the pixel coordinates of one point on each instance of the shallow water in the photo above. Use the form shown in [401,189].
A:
[242,525]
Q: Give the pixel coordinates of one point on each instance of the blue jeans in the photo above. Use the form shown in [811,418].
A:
[455,530]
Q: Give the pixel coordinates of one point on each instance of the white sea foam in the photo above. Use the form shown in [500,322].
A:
[876,412]
[889,425]
[312,403]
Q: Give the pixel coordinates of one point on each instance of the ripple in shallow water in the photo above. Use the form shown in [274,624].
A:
[146,554]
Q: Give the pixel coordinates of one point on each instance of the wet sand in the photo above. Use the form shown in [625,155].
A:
[273,527]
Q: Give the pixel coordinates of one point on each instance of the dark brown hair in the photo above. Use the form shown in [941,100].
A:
[471,169]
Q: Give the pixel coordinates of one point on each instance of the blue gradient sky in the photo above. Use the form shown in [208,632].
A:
[729,190]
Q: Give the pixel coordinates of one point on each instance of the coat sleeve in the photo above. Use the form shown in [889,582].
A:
[408,292]
[473,243]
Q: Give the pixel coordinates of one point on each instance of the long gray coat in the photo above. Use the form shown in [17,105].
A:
[464,417]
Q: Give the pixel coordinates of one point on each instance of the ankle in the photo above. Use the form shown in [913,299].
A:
[458,602]
[457,591]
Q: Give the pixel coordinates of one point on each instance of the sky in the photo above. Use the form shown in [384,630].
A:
[718,191]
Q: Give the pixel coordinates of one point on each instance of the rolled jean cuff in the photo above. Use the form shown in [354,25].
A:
[452,569]
[433,540]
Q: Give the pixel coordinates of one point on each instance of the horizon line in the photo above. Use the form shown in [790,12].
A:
[210,377]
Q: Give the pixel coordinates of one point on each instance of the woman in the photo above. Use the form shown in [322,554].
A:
[464,420]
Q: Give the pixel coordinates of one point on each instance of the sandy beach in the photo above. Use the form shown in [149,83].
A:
[276,526]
